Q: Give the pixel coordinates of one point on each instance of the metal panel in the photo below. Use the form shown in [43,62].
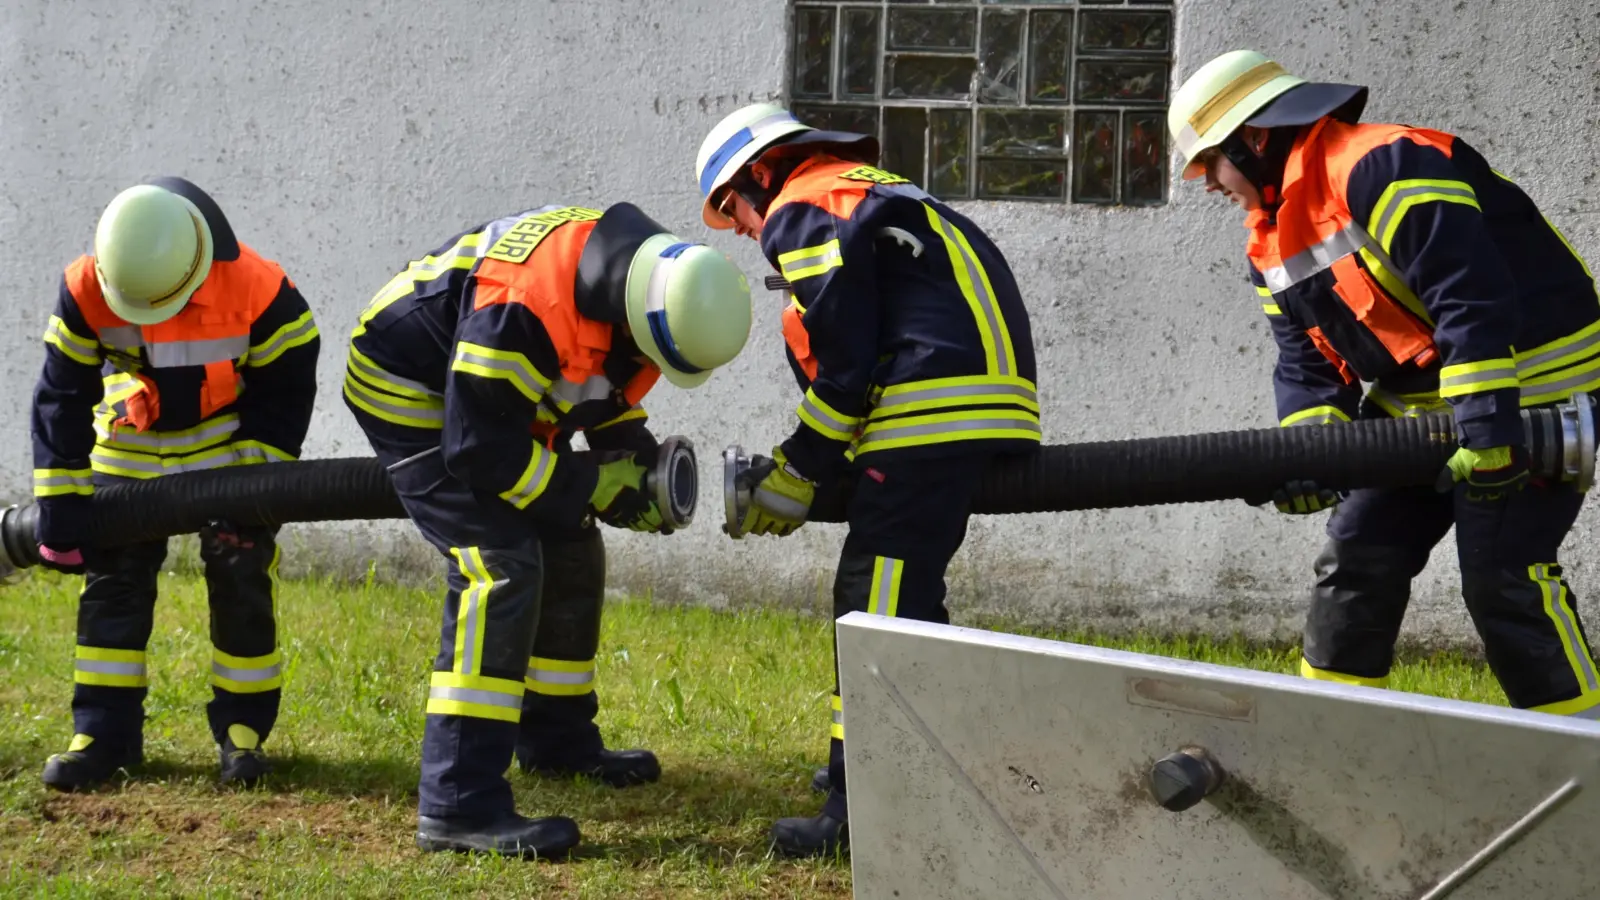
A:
[995,766]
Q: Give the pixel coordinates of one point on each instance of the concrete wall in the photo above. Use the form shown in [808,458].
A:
[343,139]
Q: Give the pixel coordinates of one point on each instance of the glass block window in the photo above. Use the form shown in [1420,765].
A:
[1061,102]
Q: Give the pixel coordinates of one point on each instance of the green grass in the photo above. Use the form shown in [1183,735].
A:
[734,703]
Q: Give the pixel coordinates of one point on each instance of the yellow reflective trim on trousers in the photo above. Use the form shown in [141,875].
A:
[106,667]
[826,420]
[1558,607]
[506,365]
[836,728]
[1307,670]
[535,478]
[370,373]
[414,413]
[974,285]
[1398,198]
[474,696]
[1583,706]
[298,333]
[247,675]
[559,677]
[1271,309]
[808,262]
[884,597]
[472,610]
[1477,377]
[77,348]
[59,482]
[1316,415]
[940,428]
[420,272]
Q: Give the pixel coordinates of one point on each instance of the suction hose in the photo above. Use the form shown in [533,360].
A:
[318,490]
[1246,465]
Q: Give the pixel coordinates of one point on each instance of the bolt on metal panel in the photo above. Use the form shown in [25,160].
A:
[986,765]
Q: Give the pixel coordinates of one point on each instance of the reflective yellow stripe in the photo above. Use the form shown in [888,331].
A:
[535,478]
[472,609]
[975,287]
[57,482]
[1316,415]
[940,428]
[207,434]
[127,464]
[427,412]
[1307,670]
[1263,290]
[884,599]
[1477,377]
[1559,352]
[1380,267]
[1400,196]
[637,412]
[77,347]
[259,451]
[836,730]
[960,391]
[247,675]
[1583,706]
[507,365]
[810,261]
[105,667]
[1407,406]
[826,420]
[1271,309]
[475,696]
[463,254]
[298,333]
[560,677]
[1558,606]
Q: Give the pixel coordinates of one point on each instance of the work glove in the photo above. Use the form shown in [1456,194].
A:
[1490,474]
[67,560]
[1298,498]
[781,496]
[619,499]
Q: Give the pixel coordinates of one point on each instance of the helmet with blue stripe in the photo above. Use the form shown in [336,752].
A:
[744,135]
[688,307]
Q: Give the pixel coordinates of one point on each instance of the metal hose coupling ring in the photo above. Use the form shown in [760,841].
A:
[735,498]
[674,483]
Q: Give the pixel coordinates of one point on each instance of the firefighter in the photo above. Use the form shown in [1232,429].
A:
[1395,255]
[908,336]
[174,347]
[469,372]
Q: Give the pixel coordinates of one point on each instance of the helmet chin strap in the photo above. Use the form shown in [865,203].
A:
[1264,170]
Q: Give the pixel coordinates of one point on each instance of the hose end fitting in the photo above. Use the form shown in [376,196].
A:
[735,498]
[674,483]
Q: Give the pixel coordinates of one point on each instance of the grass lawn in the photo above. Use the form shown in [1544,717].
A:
[734,703]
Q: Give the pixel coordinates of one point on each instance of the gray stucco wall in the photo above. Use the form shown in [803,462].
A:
[343,139]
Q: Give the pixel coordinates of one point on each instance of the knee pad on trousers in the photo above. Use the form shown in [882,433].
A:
[574,592]
[1357,606]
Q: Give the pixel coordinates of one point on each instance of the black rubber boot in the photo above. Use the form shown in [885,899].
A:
[821,835]
[88,762]
[618,768]
[820,782]
[509,834]
[242,761]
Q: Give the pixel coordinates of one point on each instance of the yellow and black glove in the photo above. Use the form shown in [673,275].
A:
[781,496]
[1490,475]
[1298,498]
[619,499]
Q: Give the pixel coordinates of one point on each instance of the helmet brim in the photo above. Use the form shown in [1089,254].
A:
[1306,103]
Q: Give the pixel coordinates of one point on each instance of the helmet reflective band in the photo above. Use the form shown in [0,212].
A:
[1219,98]
[737,139]
[152,249]
[688,308]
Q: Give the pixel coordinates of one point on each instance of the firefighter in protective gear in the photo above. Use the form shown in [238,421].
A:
[911,342]
[174,347]
[469,372]
[1395,255]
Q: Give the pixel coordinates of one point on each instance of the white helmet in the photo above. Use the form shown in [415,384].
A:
[688,307]
[737,139]
[152,251]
